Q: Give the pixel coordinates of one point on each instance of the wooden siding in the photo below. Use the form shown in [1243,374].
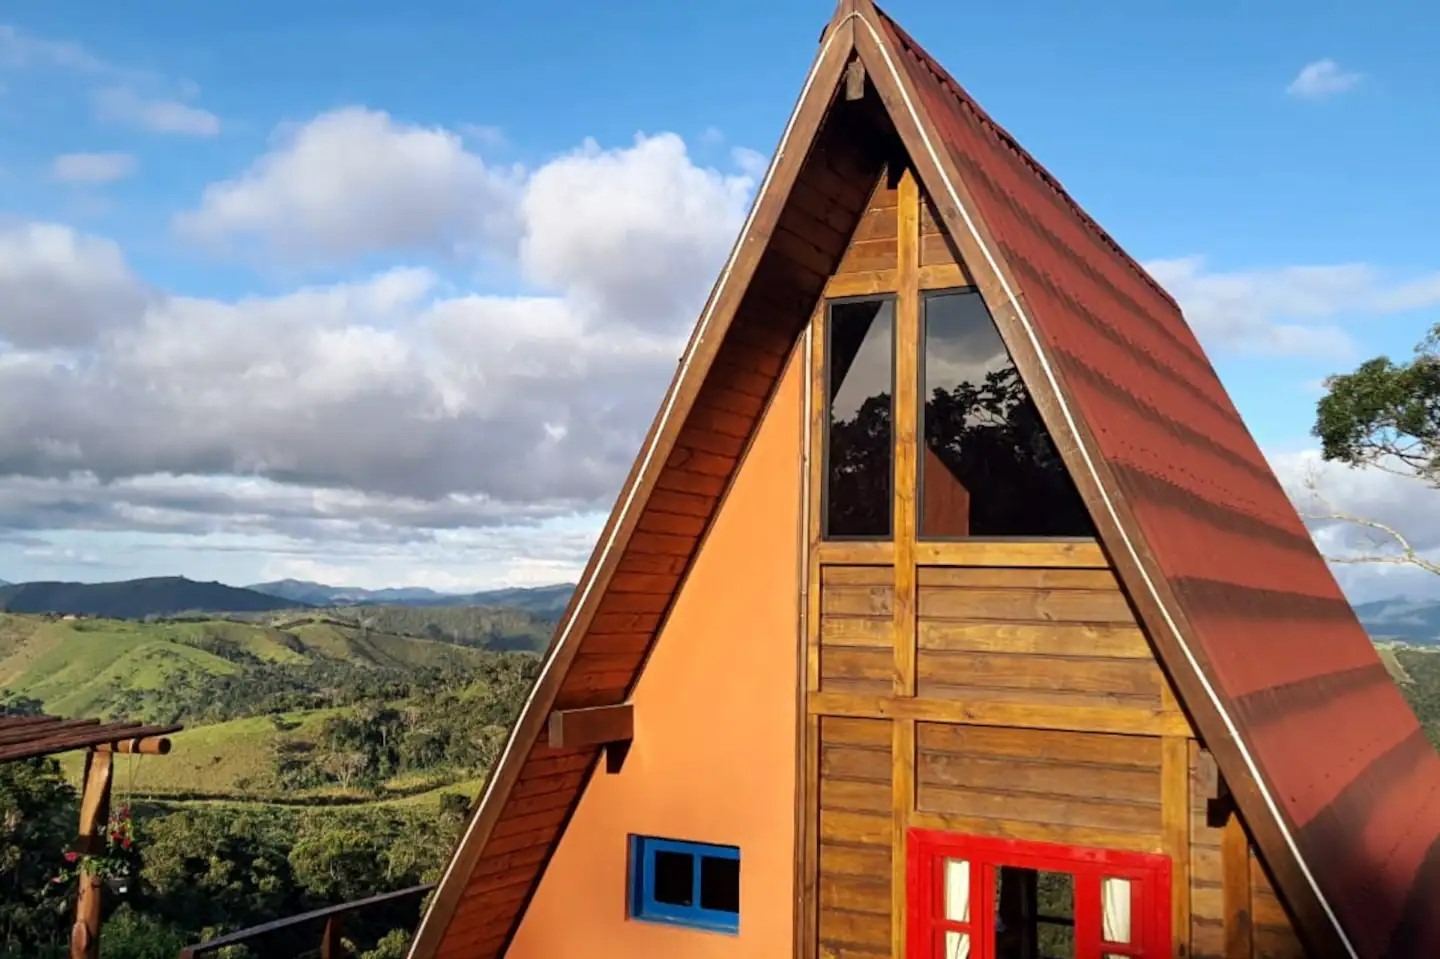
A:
[1059,637]
[1088,789]
[1255,924]
[856,639]
[855,838]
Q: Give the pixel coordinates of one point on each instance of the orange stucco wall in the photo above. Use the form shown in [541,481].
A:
[714,753]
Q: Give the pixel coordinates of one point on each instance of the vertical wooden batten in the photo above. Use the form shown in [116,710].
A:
[1235,870]
[808,744]
[907,338]
[1175,820]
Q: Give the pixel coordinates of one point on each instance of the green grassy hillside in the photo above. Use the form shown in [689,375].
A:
[104,667]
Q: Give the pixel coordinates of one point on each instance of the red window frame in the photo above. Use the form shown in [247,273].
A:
[927,850]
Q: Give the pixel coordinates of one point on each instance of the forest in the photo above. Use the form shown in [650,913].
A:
[326,763]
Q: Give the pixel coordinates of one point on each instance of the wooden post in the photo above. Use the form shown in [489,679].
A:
[331,946]
[903,522]
[94,815]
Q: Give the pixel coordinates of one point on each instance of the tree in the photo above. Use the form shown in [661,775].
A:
[37,823]
[1384,416]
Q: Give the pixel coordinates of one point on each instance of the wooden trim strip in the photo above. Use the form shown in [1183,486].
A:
[842,553]
[903,520]
[1036,832]
[1123,720]
[1235,888]
[807,851]
[936,276]
[906,426]
[1068,554]
[1175,827]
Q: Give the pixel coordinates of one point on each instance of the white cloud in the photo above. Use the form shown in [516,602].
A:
[59,288]
[397,411]
[92,167]
[1319,488]
[123,105]
[355,181]
[141,99]
[1322,78]
[21,50]
[1294,310]
[635,232]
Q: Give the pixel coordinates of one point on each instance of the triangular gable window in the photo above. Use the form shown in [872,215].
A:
[988,467]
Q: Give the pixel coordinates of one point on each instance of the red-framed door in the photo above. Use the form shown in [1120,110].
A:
[1120,901]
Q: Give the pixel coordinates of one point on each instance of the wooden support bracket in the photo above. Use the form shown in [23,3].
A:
[855,80]
[610,727]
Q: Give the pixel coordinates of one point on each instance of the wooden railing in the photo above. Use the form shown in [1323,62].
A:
[333,918]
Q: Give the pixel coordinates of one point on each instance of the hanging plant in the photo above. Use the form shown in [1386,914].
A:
[114,864]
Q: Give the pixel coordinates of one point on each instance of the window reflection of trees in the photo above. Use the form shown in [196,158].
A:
[988,467]
[988,440]
[859,455]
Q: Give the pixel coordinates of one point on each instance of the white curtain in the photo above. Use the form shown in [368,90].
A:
[957,890]
[1115,899]
[957,907]
[957,945]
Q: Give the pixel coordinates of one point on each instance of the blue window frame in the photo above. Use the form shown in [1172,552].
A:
[685,883]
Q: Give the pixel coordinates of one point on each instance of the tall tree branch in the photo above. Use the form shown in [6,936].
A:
[1408,555]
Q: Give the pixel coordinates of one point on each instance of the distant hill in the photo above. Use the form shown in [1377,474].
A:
[1410,621]
[318,594]
[547,602]
[136,598]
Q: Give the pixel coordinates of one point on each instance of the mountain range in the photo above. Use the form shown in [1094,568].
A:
[173,595]
[1406,620]
[547,601]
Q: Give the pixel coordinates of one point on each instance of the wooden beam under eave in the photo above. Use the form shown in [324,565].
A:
[593,726]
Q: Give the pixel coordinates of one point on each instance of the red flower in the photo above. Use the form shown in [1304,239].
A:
[125,843]
[71,856]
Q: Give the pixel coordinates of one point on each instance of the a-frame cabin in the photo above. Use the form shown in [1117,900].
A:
[950,610]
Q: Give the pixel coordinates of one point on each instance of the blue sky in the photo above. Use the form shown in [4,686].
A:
[1291,213]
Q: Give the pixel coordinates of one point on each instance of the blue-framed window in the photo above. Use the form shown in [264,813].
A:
[685,883]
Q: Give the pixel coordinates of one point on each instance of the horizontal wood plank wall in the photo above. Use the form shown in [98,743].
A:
[935,246]
[1088,789]
[856,638]
[1053,637]
[1038,708]
[855,838]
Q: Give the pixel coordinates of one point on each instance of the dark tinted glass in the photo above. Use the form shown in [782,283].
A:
[987,465]
[860,365]
[720,884]
[675,878]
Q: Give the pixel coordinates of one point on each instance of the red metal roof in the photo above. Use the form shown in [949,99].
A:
[25,737]
[1357,783]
